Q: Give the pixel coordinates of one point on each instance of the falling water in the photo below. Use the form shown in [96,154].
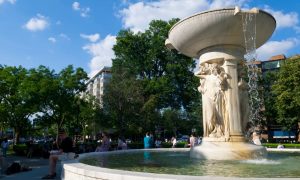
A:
[249,29]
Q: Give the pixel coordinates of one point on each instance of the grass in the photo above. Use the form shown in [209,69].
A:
[286,145]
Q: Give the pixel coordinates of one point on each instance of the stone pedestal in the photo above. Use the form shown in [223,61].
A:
[228,151]
[217,38]
[228,57]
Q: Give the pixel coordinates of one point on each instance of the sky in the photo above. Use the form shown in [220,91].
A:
[57,33]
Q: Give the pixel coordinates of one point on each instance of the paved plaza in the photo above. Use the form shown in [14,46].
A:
[39,168]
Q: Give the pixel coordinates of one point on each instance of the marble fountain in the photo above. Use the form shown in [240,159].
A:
[217,38]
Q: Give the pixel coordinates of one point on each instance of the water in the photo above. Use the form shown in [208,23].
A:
[255,102]
[179,163]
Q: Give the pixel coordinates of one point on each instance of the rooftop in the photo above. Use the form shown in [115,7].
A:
[277,57]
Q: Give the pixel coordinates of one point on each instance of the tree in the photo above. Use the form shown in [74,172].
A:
[89,115]
[269,97]
[287,91]
[166,76]
[164,73]
[17,97]
[59,96]
[123,101]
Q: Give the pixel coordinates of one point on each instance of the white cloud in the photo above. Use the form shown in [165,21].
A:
[62,35]
[52,39]
[83,10]
[101,52]
[297,28]
[37,23]
[137,16]
[284,20]
[272,48]
[76,6]
[216,4]
[9,1]
[92,37]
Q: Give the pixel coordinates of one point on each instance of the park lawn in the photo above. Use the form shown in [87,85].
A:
[286,145]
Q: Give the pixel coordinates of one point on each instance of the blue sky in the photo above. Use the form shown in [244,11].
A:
[56,33]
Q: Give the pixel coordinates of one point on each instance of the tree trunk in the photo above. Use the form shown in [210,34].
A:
[16,136]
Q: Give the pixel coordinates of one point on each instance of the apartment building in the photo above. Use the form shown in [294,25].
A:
[96,85]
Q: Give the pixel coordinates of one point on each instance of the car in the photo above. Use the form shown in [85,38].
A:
[184,138]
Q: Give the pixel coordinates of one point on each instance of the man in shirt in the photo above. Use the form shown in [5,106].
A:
[147,141]
[64,152]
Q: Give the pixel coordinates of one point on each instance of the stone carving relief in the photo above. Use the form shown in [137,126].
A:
[212,86]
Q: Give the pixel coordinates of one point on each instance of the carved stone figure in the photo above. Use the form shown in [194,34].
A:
[213,80]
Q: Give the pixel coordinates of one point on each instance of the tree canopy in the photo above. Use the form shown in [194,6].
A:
[39,97]
[165,77]
[287,91]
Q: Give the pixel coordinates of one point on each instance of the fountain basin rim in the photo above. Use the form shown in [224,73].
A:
[73,169]
[213,10]
[219,27]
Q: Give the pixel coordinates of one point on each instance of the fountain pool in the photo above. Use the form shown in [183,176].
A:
[177,164]
[216,37]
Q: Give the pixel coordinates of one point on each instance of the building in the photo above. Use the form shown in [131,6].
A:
[96,85]
[275,131]
[273,64]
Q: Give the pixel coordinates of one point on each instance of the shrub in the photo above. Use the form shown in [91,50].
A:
[286,145]
[135,145]
[20,149]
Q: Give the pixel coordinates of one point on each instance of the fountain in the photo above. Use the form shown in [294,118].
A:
[217,38]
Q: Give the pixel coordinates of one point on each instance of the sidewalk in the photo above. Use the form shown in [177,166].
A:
[39,168]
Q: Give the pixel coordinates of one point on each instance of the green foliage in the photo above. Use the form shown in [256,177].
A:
[165,77]
[17,98]
[269,97]
[286,145]
[122,101]
[178,145]
[135,145]
[20,149]
[287,91]
[60,96]
[166,144]
[39,95]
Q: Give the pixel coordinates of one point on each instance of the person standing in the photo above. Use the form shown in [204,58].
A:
[174,142]
[121,144]
[65,152]
[4,146]
[105,143]
[193,140]
[147,141]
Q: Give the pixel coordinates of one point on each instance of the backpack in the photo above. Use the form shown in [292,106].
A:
[13,168]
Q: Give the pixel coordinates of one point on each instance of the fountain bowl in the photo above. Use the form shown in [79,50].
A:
[217,27]
[281,164]
[228,151]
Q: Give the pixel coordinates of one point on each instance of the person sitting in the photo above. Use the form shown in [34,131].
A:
[280,146]
[64,152]
[256,138]
[157,143]
[105,144]
[121,144]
